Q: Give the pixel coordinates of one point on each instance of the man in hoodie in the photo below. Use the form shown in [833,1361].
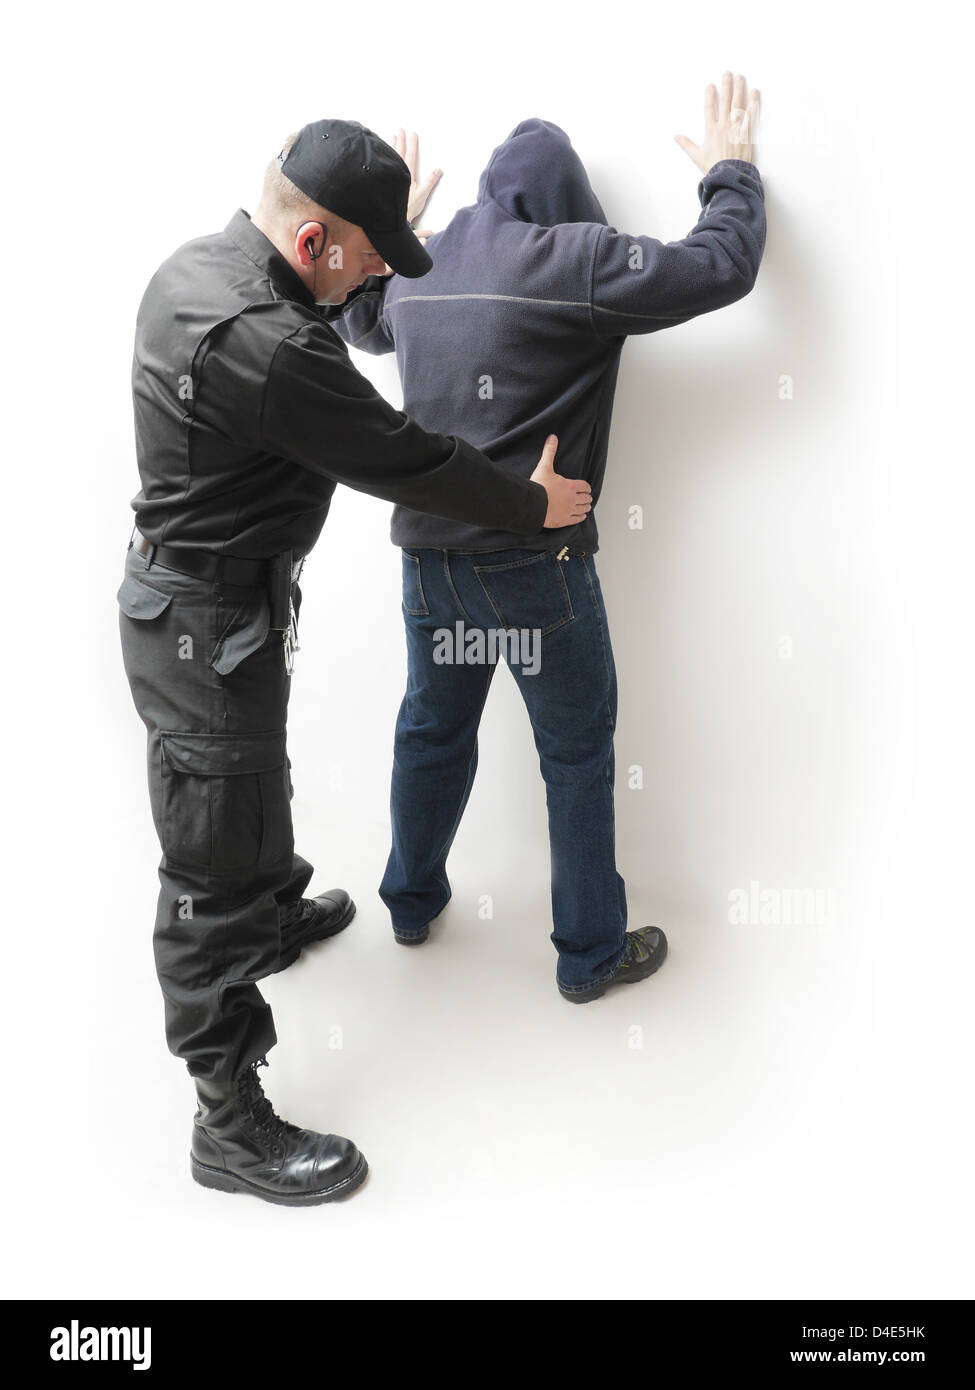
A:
[518,330]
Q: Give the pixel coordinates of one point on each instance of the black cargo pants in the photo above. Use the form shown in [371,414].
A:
[208,678]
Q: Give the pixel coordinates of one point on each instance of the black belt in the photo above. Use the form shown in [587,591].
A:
[203,564]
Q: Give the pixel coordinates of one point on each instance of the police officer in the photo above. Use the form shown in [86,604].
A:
[248,411]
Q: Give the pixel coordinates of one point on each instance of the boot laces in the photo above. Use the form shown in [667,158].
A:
[295,915]
[258,1113]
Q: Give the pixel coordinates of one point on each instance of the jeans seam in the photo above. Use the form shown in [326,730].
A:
[599,619]
[450,584]
[610,718]
[512,564]
[603,979]
[469,781]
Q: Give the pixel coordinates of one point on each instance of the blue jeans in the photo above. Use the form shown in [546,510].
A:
[547,618]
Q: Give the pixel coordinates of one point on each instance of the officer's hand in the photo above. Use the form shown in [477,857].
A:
[569,499]
[730,124]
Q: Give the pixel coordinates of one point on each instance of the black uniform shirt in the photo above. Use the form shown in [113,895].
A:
[248,411]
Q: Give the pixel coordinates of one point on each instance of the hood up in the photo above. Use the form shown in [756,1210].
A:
[536,176]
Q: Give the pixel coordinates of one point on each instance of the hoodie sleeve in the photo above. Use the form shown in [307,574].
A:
[362,322]
[640,284]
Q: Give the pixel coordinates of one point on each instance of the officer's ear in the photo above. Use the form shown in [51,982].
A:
[310,242]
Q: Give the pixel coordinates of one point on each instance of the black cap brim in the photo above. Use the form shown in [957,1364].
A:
[402,252]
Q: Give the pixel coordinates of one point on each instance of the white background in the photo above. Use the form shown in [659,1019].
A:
[796,1122]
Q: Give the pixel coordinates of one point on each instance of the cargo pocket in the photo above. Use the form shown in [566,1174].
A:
[225,801]
[528,594]
[139,600]
[414,599]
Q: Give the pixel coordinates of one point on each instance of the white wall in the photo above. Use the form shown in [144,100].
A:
[838,520]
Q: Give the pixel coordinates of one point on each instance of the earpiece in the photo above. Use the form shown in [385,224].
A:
[309,241]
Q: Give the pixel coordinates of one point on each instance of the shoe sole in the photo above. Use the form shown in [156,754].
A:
[419,940]
[295,951]
[413,940]
[222,1181]
[586,996]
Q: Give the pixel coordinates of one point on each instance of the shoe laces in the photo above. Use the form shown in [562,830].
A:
[295,915]
[638,949]
[258,1113]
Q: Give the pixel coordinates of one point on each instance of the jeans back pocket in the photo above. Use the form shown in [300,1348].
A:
[530,593]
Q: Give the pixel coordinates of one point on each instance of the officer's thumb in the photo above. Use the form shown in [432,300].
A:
[546,464]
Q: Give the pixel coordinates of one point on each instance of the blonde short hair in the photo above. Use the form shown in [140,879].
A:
[284,198]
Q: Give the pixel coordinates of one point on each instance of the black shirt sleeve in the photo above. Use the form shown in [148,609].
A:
[361,321]
[319,412]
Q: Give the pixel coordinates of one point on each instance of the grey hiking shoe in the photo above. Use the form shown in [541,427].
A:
[646,950]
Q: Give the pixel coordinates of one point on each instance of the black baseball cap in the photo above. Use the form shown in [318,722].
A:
[348,169]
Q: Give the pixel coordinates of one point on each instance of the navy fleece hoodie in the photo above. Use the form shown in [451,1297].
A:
[516,332]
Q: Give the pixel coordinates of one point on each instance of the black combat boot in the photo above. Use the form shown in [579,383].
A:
[312,919]
[241,1145]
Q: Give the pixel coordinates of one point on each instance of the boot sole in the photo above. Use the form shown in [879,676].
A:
[295,951]
[222,1181]
[586,996]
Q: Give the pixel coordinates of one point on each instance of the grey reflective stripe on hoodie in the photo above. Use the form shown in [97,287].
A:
[516,332]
